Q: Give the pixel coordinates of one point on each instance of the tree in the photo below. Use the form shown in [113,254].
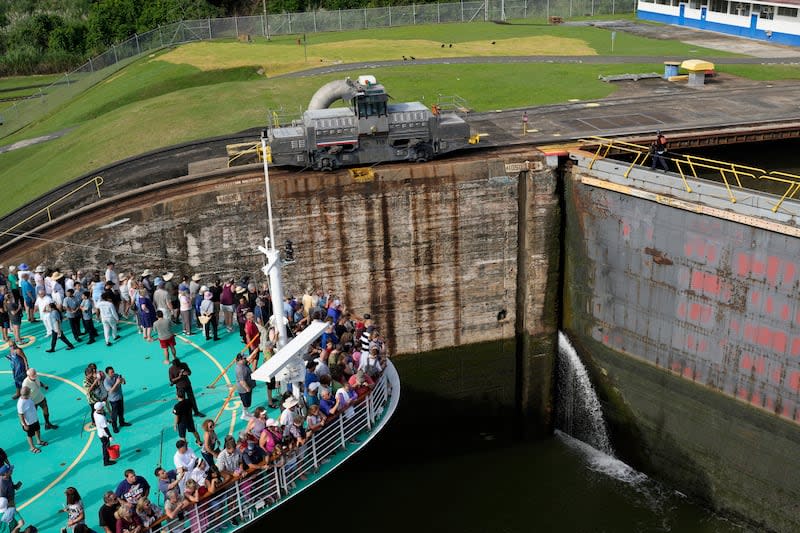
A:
[111,21]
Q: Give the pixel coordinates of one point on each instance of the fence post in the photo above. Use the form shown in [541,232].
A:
[341,430]
[91,65]
[138,49]
[365,19]
[462,10]
[114,48]
[414,13]
[208,21]
[236,26]
[238,499]
[438,15]
[314,451]
[277,482]
[390,16]
[289,18]
[340,20]
[67,76]
[315,20]
[160,37]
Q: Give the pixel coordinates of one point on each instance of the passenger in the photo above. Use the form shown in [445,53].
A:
[56,331]
[210,449]
[132,488]
[19,366]
[147,313]
[257,423]
[315,419]
[166,338]
[173,505]
[209,316]
[227,303]
[168,480]
[87,312]
[185,305]
[147,512]
[127,521]
[29,419]
[109,318]
[183,417]
[35,385]
[76,515]
[105,515]
[184,460]
[229,461]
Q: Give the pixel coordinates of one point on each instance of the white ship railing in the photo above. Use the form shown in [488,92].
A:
[245,500]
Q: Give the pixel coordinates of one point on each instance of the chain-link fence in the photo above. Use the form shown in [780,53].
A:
[98,68]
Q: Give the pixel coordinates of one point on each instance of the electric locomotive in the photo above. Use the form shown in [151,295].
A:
[369,130]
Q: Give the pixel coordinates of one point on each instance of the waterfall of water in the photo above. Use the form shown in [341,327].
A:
[578,411]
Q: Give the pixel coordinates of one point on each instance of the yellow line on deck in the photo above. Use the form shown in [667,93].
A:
[72,465]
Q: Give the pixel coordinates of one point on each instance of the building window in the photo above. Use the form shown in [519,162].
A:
[697,4]
[787,12]
[719,6]
[740,9]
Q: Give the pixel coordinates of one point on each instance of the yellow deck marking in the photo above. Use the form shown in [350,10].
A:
[85,449]
[219,367]
[67,470]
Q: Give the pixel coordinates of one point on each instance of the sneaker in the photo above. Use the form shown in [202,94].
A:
[109,463]
[70,347]
[108,344]
[49,351]
[91,341]
[50,426]
[17,485]
[125,424]
[117,337]
[199,414]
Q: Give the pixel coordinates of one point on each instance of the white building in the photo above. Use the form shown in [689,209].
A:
[770,21]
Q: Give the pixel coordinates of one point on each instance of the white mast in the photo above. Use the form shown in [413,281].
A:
[272,268]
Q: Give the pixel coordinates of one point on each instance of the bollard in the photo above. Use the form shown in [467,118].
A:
[525,123]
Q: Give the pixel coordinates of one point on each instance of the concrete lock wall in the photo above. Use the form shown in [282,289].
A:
[431,250]
[688,323]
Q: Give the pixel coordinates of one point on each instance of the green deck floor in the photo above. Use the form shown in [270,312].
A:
[73,456]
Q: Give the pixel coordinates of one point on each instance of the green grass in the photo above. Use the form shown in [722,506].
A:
[157,102]
[24,81]
[764,72]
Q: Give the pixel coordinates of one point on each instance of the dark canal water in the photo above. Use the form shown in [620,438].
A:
[423,478]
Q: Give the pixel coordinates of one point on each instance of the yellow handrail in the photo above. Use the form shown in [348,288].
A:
[97,181]
[731,174]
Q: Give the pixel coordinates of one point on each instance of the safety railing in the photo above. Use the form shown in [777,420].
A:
[97,181]
[246,499]
[730,174]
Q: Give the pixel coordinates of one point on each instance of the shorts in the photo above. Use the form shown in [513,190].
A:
[247,399]
[227,308]
[184,427]
[166,343]
[33,429]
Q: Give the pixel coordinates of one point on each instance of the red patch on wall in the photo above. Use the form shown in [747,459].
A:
[626,229]
[755,297]
[742,264]
[779,341]
[681,310]
[794,382]
[746,363]
[688,373]
[768,305]
[795,347]
[776,375]
[773,266]
[785,313]
[756,398]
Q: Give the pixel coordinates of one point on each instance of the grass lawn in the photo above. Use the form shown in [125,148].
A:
[213,88]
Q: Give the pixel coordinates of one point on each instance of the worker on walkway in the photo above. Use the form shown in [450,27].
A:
[659,150]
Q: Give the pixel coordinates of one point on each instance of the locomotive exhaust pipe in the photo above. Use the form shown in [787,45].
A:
[330,92]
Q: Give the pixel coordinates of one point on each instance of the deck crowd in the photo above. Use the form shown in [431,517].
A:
[341,368]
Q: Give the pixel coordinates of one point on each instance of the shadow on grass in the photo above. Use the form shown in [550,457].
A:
[193,78]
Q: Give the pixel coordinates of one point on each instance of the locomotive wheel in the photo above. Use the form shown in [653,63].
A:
[422,155]
[326,164]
